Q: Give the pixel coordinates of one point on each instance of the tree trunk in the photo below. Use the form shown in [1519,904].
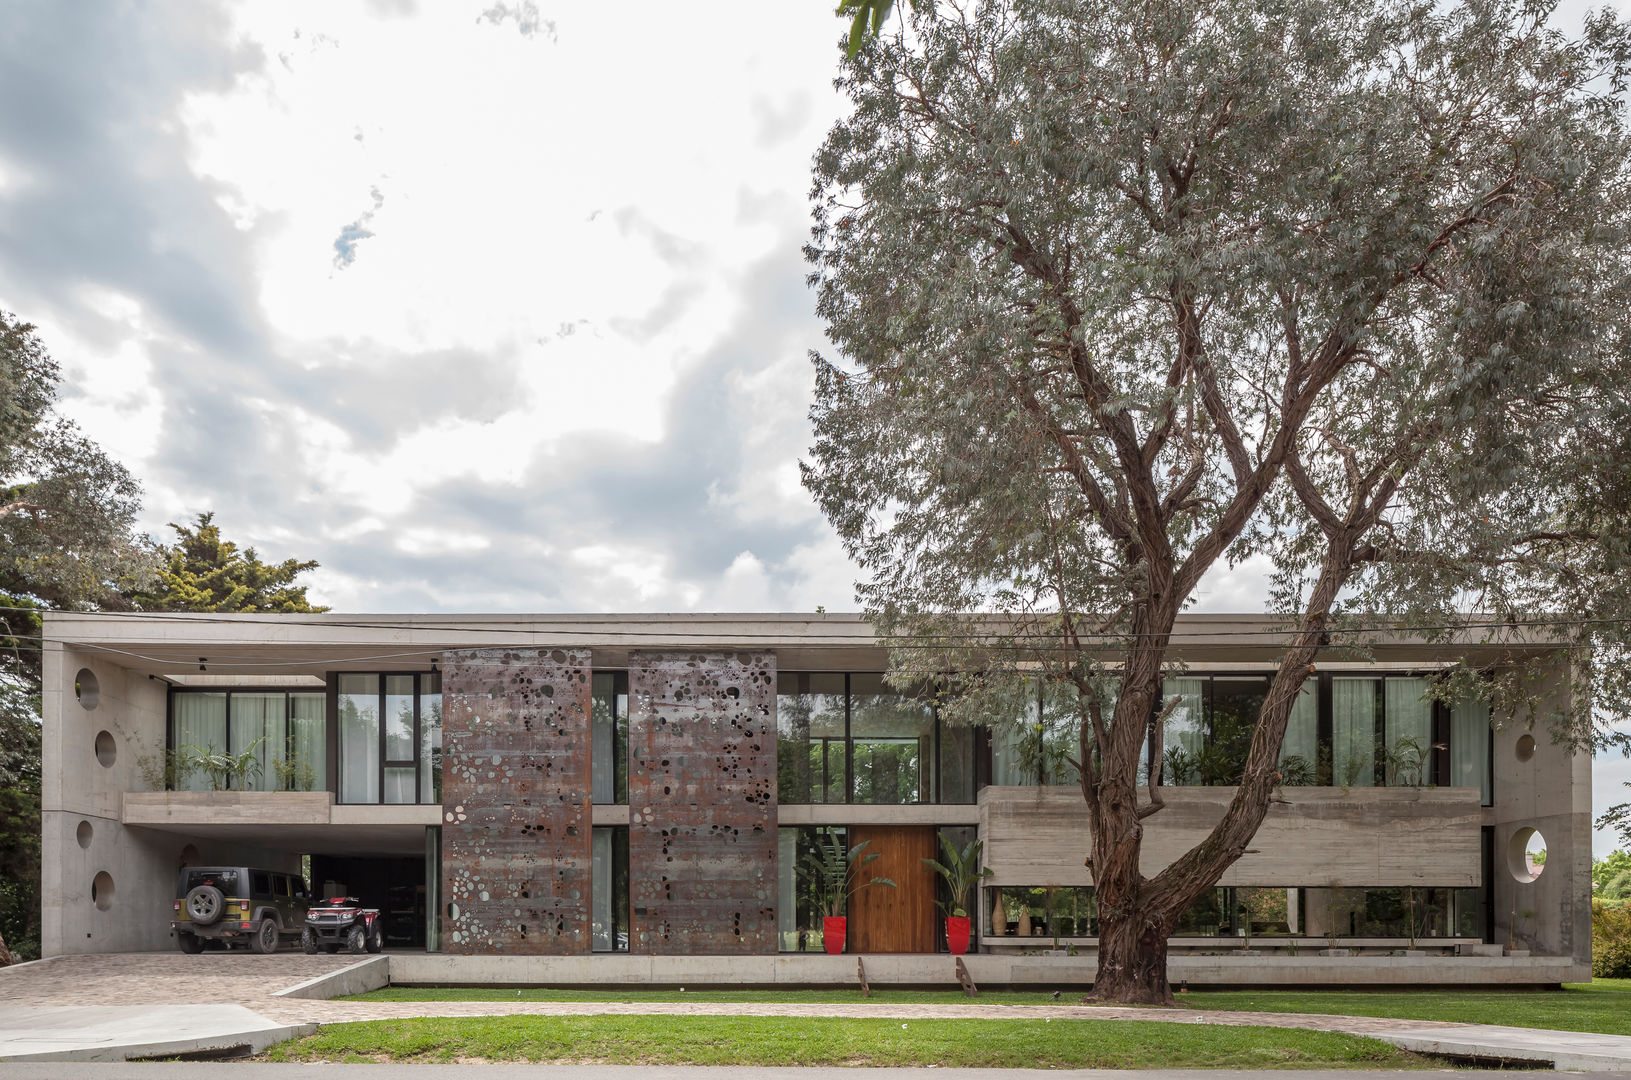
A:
[1132,963]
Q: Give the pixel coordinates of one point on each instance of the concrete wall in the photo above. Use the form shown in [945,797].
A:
[1318,836]
[83,835]
[1549,792]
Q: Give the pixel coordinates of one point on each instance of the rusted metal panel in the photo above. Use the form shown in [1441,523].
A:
[516,856]
[702,798]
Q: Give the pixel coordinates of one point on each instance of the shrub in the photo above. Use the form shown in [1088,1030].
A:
[1610,940]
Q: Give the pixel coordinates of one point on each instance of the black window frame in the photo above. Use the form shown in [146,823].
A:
[324,783]
[419,763]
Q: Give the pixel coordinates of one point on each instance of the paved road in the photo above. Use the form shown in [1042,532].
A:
[253,1071]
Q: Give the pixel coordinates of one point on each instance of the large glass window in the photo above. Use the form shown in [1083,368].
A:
[798,907]
[1183,734]
[811,748]
[1344,731]
[390,737]
[609,889]
[609,739]
[891,744]
[1353,732]
[283,732]
[1300,749]
[1470,744]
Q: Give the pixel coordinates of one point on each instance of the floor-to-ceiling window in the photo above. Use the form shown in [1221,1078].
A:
[250,739]
[852,738]
[390,736]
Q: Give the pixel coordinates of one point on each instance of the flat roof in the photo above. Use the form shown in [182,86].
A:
[218,644]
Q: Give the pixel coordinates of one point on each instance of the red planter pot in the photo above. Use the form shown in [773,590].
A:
[957,930]
[832,933]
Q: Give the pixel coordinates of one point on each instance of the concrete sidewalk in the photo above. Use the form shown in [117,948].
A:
[120,1032]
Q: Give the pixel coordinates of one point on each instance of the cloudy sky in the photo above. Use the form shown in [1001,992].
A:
[487,306]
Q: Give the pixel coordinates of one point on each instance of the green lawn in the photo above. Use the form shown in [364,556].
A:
[1601,1006]
[769,1041]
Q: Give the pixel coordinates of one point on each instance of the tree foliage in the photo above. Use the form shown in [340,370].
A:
[1123,293]
[203,572]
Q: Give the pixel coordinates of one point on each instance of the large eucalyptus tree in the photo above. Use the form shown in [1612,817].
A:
[1123,292]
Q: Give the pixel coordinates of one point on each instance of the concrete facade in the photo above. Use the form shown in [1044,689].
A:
[701,715]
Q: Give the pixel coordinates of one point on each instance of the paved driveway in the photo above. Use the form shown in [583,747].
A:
[167,978]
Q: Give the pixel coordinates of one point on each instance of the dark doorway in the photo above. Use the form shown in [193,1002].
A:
[394,884]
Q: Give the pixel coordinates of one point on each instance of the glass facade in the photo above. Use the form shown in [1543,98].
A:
[850,738]
[283,732]
[1344,731]
[609,739]
[390,736]
[798,911]
[1039,745]
[609,889]
[1392,913]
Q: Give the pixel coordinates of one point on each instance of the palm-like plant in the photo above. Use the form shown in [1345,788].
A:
[833,873]
[960,869]
[222,767]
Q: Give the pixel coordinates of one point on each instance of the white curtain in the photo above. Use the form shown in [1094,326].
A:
[1408,715]
[1469,746]
[200,720]
[1303,729]
[359,738]
[259,722]
[1353,732]
[1185,727]
[308,722]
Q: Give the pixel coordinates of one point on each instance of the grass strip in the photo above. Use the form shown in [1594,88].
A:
[770,1041]
[1602,1006]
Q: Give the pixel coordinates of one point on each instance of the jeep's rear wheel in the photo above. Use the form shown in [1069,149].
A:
[265,939]
[205,903]
[191,944]
[308,941]
[356,940]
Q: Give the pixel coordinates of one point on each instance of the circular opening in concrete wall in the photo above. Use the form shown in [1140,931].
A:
[107,751]
[1526,854]
[83,834]
[86,688]
[102,890]
[1526,747]
[189,856]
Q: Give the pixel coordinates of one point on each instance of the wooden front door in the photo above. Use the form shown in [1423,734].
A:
[898,920]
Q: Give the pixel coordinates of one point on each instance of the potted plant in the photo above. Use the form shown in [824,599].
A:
[960,870]
[833,875]
[222,767]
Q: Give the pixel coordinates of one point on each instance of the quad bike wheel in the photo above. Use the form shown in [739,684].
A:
[308,941]
[356,940]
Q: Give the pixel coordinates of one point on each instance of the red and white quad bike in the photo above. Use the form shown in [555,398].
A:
[343,921]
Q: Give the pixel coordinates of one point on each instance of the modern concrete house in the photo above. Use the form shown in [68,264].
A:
[647,785]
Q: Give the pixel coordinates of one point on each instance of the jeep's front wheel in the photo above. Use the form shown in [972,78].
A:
[191,944]
[265,939]
[308,941]
[356,941]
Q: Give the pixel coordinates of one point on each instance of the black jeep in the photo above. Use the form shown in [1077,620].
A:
[231,904]
[342,920]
